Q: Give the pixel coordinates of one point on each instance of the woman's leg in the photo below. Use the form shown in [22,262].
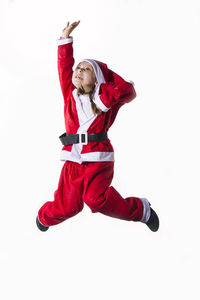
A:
[67,198]
[103,198]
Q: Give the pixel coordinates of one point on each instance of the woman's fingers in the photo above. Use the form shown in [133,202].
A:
[71,27]
[74,24]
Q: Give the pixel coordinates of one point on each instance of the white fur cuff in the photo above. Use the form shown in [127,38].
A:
[146,210]
[64,41]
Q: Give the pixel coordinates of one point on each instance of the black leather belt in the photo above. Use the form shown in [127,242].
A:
[82,138]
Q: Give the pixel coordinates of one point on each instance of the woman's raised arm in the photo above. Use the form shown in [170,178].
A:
[66,59]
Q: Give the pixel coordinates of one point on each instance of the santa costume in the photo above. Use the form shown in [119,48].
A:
[87,152]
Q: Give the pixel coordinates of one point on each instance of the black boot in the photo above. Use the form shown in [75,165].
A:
[41,226]
[153,222]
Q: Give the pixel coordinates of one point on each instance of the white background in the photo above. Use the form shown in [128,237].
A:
[155,137]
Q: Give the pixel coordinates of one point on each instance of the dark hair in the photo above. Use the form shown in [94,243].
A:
[95,109]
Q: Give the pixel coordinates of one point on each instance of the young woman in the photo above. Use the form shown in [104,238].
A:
[93,95]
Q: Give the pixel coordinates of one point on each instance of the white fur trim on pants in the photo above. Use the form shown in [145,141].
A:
[146,210]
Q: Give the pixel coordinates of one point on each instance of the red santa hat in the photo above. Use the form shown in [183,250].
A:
[103,75]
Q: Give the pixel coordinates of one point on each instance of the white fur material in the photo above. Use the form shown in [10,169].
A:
[146,210]
[62,41]
[90,156]
[86,105]
[98,102]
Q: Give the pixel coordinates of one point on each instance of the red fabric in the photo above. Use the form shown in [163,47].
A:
[114,93]
[88,183]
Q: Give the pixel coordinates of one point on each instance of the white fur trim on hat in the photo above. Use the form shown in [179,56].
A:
[97,70]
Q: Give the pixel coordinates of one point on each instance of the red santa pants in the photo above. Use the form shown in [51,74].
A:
[88,183]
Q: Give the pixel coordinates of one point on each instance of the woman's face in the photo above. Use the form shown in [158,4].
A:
[84,76]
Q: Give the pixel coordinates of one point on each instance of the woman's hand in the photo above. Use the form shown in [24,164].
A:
[68,29]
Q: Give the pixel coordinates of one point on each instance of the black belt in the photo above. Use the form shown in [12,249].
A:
[82,138]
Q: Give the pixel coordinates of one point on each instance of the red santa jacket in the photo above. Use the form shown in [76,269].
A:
[111,92]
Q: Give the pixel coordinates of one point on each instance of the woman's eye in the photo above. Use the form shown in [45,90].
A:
[87,69]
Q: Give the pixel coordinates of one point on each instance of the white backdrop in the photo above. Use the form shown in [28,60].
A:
[91,256]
